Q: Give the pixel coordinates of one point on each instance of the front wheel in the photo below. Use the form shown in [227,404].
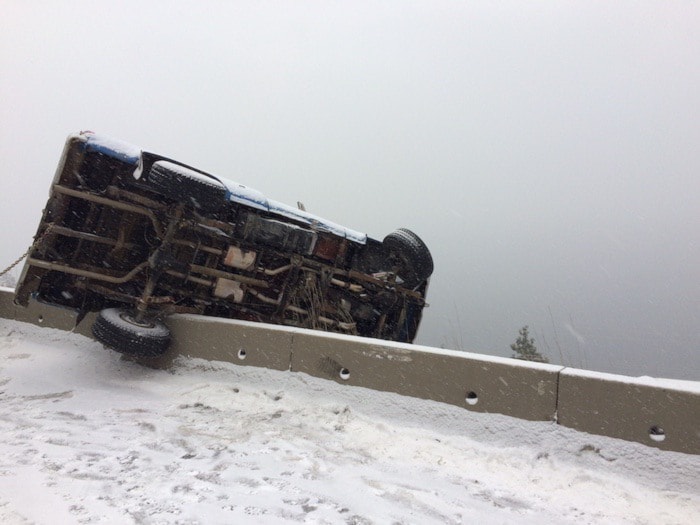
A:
[119,330]
[414,259]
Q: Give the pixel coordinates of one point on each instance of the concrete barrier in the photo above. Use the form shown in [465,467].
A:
[475,382]
[7,305]
[240,342]
[36,312]
[657,412]
[45,315]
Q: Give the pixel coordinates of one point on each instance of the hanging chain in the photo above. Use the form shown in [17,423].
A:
[35,244]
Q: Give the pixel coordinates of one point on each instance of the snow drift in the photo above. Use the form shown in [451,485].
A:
[87,437]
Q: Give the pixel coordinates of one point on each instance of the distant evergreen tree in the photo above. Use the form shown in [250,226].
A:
[525,349]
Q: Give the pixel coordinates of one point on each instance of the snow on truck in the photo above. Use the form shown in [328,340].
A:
[136,236]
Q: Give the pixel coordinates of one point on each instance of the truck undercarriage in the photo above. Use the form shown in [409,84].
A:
[138,237]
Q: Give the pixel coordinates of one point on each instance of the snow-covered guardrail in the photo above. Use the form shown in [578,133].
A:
[657,412]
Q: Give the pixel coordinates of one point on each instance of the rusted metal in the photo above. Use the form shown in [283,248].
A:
[104,201]
[212,272]
[137,231]
[88,273]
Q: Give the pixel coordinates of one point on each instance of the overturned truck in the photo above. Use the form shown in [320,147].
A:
[136,237]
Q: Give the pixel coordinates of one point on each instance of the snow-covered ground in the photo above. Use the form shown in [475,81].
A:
[86,437]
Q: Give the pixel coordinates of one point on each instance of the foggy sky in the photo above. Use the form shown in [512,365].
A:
[547,153]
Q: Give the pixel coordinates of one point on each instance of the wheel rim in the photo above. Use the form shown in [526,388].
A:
[126,316]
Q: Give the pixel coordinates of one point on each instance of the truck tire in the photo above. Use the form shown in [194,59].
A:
[183,184]
[415,261]
[117,329]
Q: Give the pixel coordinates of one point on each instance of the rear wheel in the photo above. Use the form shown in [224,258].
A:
[119,330]
[183,184]
[414,259]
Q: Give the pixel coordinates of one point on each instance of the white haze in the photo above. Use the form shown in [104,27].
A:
[547,152]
